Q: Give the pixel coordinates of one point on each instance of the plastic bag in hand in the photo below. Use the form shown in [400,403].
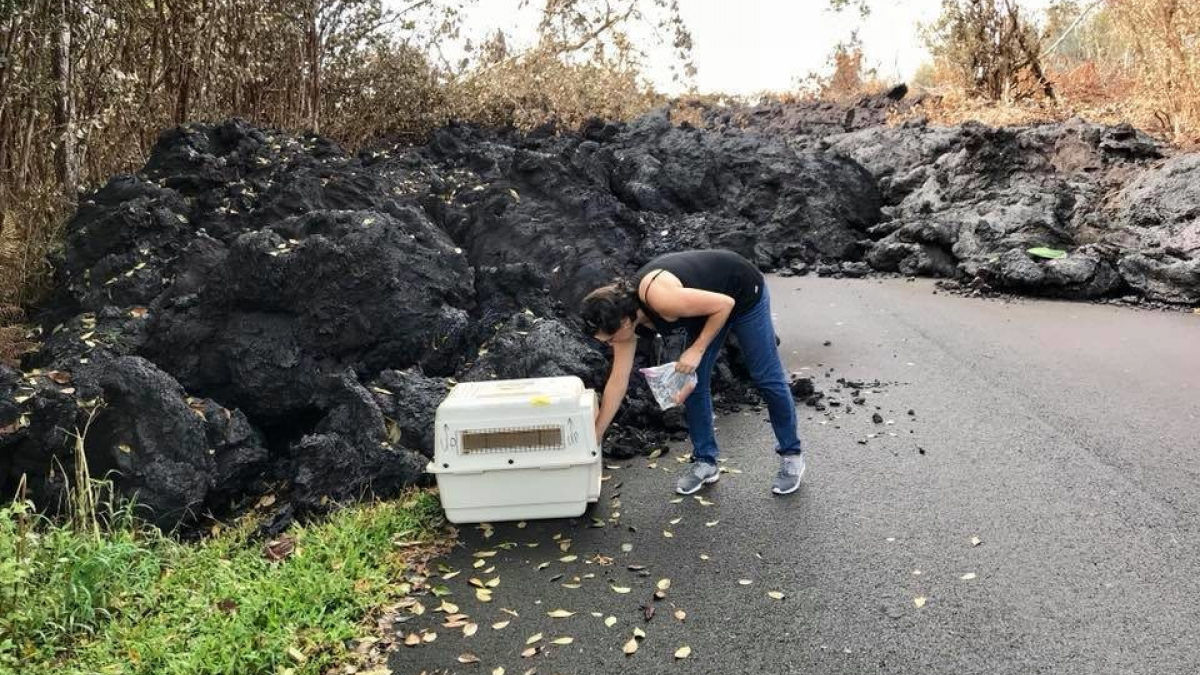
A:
[669,387]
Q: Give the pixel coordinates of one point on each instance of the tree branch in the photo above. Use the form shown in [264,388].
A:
[1072,27]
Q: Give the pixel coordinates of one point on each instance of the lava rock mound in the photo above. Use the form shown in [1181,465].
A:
[260,312]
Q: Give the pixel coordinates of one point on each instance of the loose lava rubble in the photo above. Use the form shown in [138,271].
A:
[260,312]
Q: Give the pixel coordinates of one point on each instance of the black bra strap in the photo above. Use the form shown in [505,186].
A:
[647,300]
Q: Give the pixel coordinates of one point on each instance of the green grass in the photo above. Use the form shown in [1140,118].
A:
[132,600]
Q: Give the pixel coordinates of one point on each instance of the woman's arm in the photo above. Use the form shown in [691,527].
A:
[617,385]
[678,301]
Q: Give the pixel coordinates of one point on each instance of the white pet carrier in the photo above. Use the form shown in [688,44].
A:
[516,450]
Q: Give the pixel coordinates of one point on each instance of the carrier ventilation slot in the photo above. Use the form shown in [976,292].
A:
[512,439]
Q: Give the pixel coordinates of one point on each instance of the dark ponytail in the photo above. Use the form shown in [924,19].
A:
[603,309]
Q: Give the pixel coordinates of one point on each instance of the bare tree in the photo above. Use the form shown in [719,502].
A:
[64,107]
[995,49]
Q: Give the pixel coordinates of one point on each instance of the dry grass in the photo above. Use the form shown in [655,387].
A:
[543,86]
[13,342]
[1089,91]
[1143,70]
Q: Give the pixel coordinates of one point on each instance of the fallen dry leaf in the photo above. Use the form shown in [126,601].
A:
[975,541]
[562,640]
[919,602]
[447,607]
[610,621]
[711,523]
[536,637]
[663,584]
[667,534]
[775,594]
[499,670]
[675,521]
[568,558]
[59,377]
[468,658]
[412,640]
[745,582]
[278,549]
[470,629]
[630,647]
[559,614]
[968,576]
[639,633]
[529,652]
[621,589]
[680,614]
[500,624]
[483,595]
[683,652]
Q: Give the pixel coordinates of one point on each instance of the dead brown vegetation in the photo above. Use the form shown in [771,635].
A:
[1108,61]
[87,85]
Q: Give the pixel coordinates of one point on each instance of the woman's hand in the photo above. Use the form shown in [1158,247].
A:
[681,397]
[689,360]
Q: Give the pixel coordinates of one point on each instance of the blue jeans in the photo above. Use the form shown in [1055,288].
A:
[756,335]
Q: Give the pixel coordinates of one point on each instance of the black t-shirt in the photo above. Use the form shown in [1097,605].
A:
[716,270]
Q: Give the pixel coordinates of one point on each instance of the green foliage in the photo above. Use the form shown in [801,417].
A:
[1047,253]
[133,601]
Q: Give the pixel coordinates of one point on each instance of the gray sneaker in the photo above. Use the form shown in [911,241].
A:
[696,476]
[791,470]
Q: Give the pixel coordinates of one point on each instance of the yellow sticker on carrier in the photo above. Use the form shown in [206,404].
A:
[540,400]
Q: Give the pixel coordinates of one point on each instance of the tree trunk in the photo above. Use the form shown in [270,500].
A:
[313,47]
[66,165]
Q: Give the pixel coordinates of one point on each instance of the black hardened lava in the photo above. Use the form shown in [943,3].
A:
[257,311]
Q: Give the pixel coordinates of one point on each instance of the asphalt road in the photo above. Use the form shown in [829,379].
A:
[1063,438]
